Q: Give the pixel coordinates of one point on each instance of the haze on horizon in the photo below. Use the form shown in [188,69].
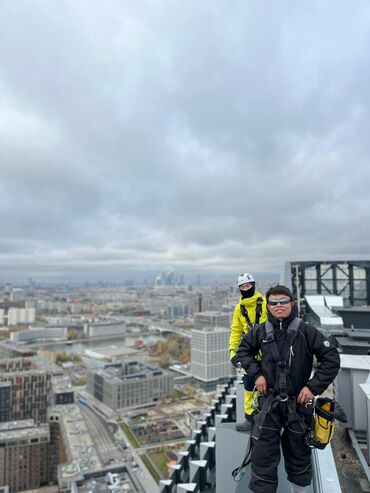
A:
[209,137]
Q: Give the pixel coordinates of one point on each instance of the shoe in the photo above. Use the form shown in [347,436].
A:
[244,426]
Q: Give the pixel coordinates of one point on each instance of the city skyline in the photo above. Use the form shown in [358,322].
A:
[206,138]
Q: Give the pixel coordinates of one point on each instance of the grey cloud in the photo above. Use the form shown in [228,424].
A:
[208,137]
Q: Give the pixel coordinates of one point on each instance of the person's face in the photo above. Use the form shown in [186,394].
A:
[280,306]
[246,286]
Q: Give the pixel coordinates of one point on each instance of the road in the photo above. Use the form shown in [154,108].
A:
[145,477]
[103,439]
[107,448]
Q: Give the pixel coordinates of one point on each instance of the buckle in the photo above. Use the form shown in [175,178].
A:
[282,398]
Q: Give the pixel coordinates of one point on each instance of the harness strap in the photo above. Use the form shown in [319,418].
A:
[244,312]
[259,304]
[239,472]
[280,392]
[266,408]
[281,359]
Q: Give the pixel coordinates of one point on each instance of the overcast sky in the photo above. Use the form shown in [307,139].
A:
[206,136]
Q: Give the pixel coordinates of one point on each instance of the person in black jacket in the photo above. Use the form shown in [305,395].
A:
[283,377]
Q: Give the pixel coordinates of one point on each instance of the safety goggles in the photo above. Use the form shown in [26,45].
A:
[283,301]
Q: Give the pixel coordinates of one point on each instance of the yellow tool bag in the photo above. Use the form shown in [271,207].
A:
[326,411]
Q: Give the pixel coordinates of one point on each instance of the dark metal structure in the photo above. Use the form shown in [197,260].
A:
[347,278]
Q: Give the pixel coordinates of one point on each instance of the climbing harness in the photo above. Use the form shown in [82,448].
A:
[244,312]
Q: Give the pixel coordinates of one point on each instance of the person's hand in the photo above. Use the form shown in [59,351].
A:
[261,384]
[305,396]
[234,361]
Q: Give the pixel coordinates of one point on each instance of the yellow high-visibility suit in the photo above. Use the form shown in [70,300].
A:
[240,326]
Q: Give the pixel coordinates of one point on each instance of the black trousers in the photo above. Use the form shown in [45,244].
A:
[281,428]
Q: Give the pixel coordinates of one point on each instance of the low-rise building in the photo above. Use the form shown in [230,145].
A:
[99,329]
[37,333]
[62,390]
[131,385]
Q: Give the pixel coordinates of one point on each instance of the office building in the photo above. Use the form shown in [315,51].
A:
[39,333]
[210,354]
[211,319]
[62,390]
[131,385]
[105,329]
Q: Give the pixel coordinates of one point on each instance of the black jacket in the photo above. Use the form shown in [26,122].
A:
[309,341]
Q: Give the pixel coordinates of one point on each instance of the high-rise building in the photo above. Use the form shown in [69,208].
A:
[5,389]
[24,455]
[28,386]
[21,316]
[17,294]
[211,319]
[210,354]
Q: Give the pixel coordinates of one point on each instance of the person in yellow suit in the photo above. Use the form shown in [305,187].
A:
[249,311]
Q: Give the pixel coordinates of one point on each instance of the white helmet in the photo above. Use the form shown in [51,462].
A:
[244,278]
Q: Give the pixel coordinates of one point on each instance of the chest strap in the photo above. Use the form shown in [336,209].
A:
[245,314]
[282,359]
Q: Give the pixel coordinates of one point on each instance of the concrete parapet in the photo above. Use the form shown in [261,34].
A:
[187,488]
[207,452]
[165,485]
[198,473]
